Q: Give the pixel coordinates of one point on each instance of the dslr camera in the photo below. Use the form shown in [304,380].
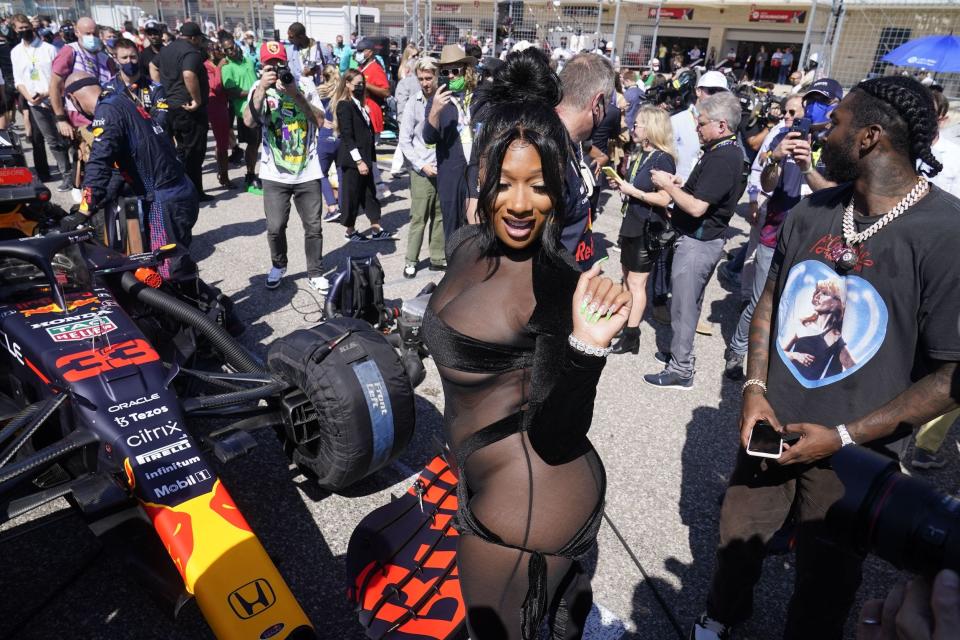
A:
[283,73]
[908,523]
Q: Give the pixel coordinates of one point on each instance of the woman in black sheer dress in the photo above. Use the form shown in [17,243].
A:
[519,338]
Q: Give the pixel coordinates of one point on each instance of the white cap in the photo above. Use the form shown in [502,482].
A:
[713,80]
[522,45]
[249,33]
[610,46]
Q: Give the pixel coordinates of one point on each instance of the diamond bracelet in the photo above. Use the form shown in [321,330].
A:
[590,350]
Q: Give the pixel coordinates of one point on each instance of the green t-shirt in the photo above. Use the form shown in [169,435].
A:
[238,75]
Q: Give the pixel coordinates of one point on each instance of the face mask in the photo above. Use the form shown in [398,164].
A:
[457,84]
[359,57]
[358,91]
[818,112]
[130,69]
[91,43]
[111,42]
[26,35]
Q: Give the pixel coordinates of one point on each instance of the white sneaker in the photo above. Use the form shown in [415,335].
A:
[709,629]
[319,284]
[275,276]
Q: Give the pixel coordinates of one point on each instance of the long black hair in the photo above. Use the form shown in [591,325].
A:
[906,111]
[520,105]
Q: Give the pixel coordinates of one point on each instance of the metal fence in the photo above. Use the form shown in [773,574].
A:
[849,36]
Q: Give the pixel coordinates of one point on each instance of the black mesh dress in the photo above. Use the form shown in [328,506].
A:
[518,404]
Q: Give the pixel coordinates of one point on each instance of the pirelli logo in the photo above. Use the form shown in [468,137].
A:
[252,599]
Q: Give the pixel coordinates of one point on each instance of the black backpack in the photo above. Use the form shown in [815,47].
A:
[356,291]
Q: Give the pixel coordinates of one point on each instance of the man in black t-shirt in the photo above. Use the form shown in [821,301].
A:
[701,213]
[854,341]
[185,82]
[154,33]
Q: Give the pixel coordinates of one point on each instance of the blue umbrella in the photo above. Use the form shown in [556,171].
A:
[933,53]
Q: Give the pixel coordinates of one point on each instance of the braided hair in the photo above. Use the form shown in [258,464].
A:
[905,109]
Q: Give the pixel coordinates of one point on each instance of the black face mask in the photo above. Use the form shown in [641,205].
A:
[26,35]
[358,91]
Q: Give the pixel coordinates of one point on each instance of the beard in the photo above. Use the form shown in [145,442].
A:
[839,161]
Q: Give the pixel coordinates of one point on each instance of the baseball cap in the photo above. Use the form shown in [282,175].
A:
[713,80]
[250,34]
[827,87]
[272,51]
[364,44]
[192,30]
[151,25]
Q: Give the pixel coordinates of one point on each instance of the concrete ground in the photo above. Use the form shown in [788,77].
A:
[667,454]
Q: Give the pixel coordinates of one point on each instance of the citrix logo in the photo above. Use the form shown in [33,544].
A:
[151,434]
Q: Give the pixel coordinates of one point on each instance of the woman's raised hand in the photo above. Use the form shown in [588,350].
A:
[600,307]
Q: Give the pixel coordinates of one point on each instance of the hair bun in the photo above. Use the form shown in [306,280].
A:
[525,77]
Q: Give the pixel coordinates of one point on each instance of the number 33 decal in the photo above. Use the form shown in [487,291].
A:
[86,364]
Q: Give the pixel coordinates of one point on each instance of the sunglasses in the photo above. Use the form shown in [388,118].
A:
[451,71]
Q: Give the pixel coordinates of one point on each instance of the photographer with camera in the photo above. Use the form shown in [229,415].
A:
[289,114]
[861,290]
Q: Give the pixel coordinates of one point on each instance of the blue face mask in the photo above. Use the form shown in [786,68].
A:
[111,42]
[130,69]
[818,112]
[91,43]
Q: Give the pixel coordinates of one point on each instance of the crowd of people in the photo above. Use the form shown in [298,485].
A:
[508,160]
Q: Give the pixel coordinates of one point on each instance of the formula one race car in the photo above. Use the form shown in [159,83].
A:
[106,372]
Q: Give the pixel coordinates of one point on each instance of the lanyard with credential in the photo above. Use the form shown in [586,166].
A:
[637,164]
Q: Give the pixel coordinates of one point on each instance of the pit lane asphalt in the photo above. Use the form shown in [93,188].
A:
[667,455]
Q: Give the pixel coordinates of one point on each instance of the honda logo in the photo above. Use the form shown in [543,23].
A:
[252,598]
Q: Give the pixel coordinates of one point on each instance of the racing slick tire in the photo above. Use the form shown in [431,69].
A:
[350,411]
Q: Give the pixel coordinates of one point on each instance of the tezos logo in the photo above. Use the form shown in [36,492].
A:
[140,416]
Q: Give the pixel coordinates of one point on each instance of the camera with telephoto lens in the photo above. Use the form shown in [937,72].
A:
[283,73]
[883,511]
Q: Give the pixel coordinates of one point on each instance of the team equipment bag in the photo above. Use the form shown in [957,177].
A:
[402,563]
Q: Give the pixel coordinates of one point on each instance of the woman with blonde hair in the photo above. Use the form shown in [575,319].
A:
[645,229]
[818,349]
[329,142]
[409,52]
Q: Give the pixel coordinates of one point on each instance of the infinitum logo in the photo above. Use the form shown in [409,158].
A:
[173,466]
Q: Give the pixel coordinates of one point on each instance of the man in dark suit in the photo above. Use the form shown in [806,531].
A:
[356,157]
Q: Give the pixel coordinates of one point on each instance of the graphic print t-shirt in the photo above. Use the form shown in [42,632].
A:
[288,153]
[845,344]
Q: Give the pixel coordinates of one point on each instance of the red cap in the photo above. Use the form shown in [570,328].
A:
[272,51]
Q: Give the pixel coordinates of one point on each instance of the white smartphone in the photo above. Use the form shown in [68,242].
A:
[765,441]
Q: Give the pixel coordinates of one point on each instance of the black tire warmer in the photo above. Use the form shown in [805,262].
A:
[353,411]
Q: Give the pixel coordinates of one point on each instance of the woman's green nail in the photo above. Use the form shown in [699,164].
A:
[609,313]
[603,259]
